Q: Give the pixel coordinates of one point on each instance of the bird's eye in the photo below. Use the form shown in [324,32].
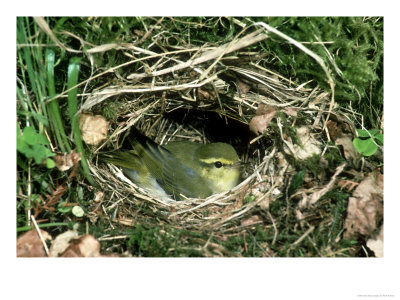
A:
[218,164]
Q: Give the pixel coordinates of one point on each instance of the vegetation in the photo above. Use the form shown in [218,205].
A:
[61,61]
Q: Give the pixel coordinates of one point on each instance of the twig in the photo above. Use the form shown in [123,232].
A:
[275,228]
[306,201]
[46,29]
[248,40]
[29,195]
[249,206]
[305,234]
[40,235]
[112,69]
[111,238]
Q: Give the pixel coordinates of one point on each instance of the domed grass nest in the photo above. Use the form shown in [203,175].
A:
[222,92]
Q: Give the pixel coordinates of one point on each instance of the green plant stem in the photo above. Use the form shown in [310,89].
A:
[26,228]
[73,73]
[21,38]
[54,108]
[28,208]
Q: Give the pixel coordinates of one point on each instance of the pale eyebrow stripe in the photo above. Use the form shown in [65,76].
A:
[213,160]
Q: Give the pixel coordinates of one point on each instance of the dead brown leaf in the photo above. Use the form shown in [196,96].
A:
[290,111]
[243,88]
[99,197]
[93,128]
[263,109]
[365,208]
[84,246]
[350,185]
[309,144]
[29,244]
[52,200]
[341,133]
[338,127]
[350,152]
[333,129]
[65,161]
[203,94]
[258,124]
[61,242]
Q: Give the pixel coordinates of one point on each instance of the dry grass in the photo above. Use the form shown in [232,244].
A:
[207,81]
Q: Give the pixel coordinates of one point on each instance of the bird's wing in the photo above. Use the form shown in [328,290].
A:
[174,176]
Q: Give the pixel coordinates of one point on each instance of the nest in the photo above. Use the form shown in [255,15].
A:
[189,94]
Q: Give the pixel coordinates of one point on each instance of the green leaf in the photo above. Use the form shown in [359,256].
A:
[29,135]
[34,145]
[367,133]
[363,133]
[48,152]
[373,132]
[80,193]
[249,198]
[32,138]
[35,198]
[20,141]
[38,152]
[365,147]
[63,209]
[50,163]
[379,137]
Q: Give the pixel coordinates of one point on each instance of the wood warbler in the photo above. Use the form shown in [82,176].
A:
[179,168]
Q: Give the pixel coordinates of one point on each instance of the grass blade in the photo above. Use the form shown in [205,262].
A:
[73,73]
[54,108]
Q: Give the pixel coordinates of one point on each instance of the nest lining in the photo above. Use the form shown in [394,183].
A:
[214,212]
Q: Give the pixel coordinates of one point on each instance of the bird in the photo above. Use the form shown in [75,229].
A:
[177,169]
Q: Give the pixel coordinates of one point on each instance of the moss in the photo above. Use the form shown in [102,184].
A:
[165,241]
[356,45]
[111,109]
[311,164]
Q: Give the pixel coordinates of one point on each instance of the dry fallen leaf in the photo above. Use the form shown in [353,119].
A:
[93,128]
[334,130]
[350,153]
[263,109]
[258,124]
[243,88]
[99,197]
[338,127]
[203,94]
[365,208]
[65,161]
[84,246]
[290,111]
[309,145]
[29,244]
[61,242]
[349,184]
[341,133]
